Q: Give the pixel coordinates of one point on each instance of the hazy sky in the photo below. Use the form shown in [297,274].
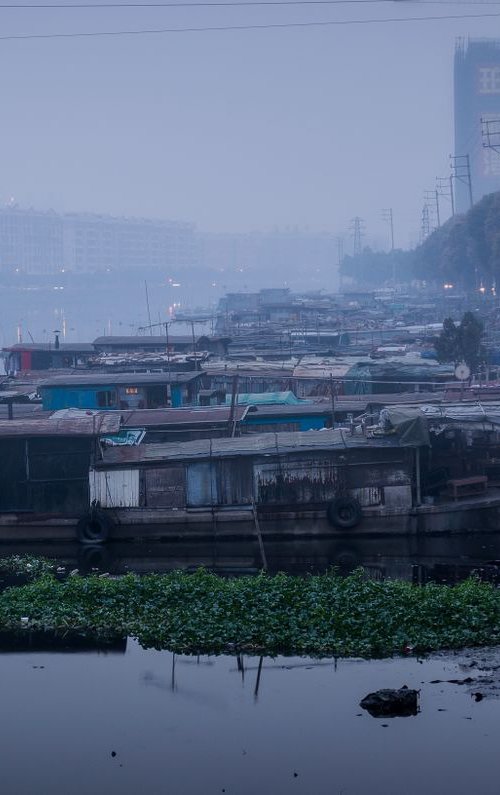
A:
[234,130]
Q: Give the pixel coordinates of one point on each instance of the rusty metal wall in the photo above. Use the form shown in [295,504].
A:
[303,479]
[292,482]
[369,497]
[116,488]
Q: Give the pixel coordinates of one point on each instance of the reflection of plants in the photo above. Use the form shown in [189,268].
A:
[204,613]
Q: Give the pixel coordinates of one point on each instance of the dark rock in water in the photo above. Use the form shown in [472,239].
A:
[391,703]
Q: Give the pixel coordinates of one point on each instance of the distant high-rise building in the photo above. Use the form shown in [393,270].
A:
[477,97]
[30,241]
[47,242]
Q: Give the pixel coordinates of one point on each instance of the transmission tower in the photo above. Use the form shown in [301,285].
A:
[340,259]
[460,172]
[425,228]
[431,199]
[388,216]
[340,250]
[357,227]
[444,188]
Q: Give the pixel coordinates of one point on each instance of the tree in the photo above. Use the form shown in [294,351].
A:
[447,344]
[462,343]
[466,249]
[374,268]
[471,333]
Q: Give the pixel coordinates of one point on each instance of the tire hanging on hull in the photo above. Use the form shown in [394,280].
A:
[344,512]
[94,528]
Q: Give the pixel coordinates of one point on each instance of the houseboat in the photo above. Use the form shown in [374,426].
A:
[120,390]
[420,470]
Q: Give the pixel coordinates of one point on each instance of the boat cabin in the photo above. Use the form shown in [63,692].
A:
[120,391]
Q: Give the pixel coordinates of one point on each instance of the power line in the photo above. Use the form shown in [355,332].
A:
[235,4]
[221,28]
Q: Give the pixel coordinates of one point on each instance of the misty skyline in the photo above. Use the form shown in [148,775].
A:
[234,130]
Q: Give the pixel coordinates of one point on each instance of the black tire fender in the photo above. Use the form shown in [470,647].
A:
[344,512]
[94,528]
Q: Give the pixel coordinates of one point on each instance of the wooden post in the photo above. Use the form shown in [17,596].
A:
[418,492]
[257,683]
[332,397]
[259,536]
[232,413]
[194,347]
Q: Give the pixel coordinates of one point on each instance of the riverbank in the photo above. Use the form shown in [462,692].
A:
[202,613]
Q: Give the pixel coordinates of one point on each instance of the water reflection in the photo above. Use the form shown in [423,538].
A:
[152,722]
[445,558]
[64,642]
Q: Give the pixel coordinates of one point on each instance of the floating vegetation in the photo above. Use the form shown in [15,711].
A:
[28,565]
[323,615]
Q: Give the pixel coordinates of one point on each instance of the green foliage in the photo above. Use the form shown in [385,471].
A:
[466,249]
[462,343]
[448,344]
[376,267]
[26,564]
[321,615]
[465,252]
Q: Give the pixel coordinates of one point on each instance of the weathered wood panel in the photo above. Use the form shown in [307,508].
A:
[398,497]
[235,481]
[201,484]
[165,487]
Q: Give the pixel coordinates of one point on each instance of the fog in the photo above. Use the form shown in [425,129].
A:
[279,130]
[235,130]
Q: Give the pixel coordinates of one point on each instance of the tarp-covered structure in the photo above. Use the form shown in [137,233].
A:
[286,398]
[408,424]
[379,377]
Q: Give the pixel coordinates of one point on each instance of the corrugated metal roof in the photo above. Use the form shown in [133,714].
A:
[137,341]
[144,341]
[247,369]
[83,347]
[260,444]
[310,409]
[110,379]
[82,426]
[147,418]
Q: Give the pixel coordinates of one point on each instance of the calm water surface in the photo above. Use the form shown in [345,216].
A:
[188,726]
[197,726]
